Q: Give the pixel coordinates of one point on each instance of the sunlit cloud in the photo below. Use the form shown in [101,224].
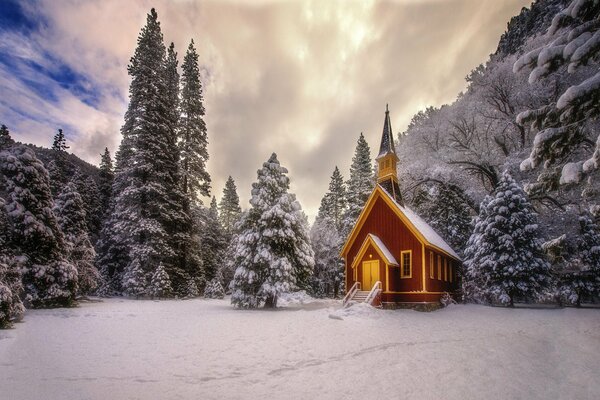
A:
[301,78]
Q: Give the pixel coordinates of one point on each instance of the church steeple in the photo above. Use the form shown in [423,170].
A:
[387,160]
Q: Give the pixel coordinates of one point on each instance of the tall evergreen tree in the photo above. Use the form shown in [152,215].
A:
[49,279]
[273,250]
[147,212]
[105,181]
[504,259]
[328,277]
[229,207]
[11,288]
[447,213]
[359,186]
[70,211]
[5,139]
[213,242]
[580,280]
[193,140]
[333,204]
[58,166]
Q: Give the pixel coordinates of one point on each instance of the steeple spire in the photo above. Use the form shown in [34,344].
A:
[387,160]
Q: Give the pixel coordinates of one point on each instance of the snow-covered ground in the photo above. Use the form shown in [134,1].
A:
[204,349]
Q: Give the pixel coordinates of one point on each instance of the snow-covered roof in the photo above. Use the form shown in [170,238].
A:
[384,250]
[423,227]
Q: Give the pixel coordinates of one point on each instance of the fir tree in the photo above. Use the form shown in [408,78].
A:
[273,250]
[333,204]
[359,186]
[5,139]
[229,207]
[580,280]
[446,212]
[11,288]
[105,177]
[563,123]
[71,215]
[58,166]
[149,223]
[135,280]
[503,258]
[213,242]
[214,289]
[160,284]
[328,276]
[193,140]
[88,190]
[49,280]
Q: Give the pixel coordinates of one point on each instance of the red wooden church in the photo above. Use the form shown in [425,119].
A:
[391,252]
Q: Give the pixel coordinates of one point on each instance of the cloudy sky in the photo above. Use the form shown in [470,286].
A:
[299,78]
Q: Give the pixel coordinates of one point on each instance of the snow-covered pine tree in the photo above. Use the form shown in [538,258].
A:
[359,186]
[273,251]
[11,288]
[580,280]
[88,190]
[564,125]
[135,280]
[148,221]
[328,277]
[229,207]
[193,140]
[214,288]
[333,204]
[447,213]
[49,279]
[229,267]
[105,181]
[5,139]
[58,167]
[504,261]
[70,212]
[160,284]
[213,242]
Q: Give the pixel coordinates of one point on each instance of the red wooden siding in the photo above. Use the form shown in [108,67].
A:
[385,224]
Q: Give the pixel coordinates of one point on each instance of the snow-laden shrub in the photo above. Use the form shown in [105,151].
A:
[214,289]
[160,284]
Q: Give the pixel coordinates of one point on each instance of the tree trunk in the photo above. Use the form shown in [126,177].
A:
[271,302]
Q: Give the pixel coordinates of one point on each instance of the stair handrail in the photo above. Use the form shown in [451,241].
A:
[374,292]
[355,288]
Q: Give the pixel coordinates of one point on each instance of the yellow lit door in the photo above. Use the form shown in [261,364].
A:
[370,270]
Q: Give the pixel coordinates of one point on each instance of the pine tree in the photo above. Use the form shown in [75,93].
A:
[58,168]
[359,186]
[193,140]
[160,284]
[446,212]
[273,250]
[90,195]
[214,289]
[106,178]
[49,280]
[503,258]
[71,215]
[213,242]
[229,207]
[149,223]
[5,139]
[333,204]
[328,276]
[11,288]
[135,280]
[573,46]
[581,278]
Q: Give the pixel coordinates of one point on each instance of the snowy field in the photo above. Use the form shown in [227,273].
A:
[204,349]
